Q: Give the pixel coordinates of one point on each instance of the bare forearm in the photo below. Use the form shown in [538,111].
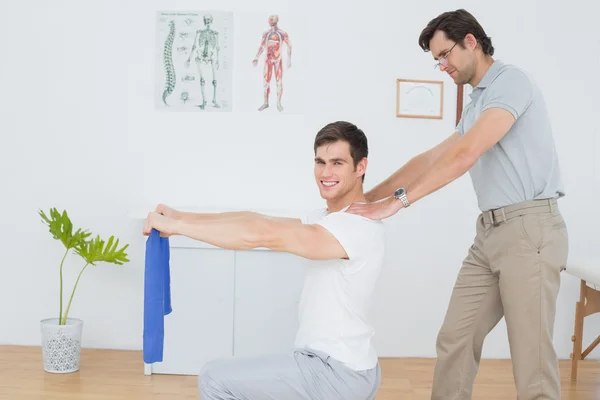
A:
[412,170]
[403,177]
[191,216]
[447,168]
[242,232]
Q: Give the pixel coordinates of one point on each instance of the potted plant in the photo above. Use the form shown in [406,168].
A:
[61,337]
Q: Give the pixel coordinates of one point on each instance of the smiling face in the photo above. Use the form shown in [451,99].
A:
[335,173]
[459,60]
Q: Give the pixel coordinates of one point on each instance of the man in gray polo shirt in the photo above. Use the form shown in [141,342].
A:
[512,270]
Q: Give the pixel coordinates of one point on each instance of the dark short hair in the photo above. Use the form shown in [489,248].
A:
[347,132]
[456,25]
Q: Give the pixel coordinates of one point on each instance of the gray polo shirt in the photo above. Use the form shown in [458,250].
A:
[523,165]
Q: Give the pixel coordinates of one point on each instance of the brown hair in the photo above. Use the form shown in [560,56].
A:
[347,132]
[456,25]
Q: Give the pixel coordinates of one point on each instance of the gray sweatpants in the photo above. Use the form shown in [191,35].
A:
[300,375]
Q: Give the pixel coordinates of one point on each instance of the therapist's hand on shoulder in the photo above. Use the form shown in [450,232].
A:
[376,210]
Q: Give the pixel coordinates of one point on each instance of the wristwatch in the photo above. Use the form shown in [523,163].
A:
[400,194]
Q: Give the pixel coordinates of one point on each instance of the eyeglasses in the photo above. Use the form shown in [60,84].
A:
[443,60]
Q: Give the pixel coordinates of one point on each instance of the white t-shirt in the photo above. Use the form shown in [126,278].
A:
[336,296]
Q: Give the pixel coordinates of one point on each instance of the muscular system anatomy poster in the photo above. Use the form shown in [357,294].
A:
[270,61]
[194,61]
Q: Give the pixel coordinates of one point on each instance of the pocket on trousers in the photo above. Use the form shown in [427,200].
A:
[554,222]
[556,241]
[531,231]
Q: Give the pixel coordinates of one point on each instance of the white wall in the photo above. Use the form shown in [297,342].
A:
[79,131]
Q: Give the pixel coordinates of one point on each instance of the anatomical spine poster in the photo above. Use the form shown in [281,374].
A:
[194,61]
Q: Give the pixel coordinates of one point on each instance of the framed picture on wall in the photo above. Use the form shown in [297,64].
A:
[462,99]
[419,99]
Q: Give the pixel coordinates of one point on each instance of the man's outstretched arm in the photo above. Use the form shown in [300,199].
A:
[254,230]
[196,216]
[410,171]
[458,156]
[501,106]
[463,153]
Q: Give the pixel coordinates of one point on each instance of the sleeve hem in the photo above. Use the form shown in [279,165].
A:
[504,106]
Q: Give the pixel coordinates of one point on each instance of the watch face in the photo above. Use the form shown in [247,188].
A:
[399,192]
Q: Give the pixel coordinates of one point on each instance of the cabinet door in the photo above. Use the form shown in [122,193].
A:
[267,291]
[200,326]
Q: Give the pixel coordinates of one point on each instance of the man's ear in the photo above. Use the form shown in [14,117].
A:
[470,42]
[361,167]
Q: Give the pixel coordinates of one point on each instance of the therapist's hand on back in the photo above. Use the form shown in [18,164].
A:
[376,210]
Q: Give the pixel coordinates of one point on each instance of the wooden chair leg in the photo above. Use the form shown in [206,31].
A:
[588,304]
[577,337]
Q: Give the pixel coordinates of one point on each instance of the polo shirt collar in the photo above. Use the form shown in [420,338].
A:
[490,74]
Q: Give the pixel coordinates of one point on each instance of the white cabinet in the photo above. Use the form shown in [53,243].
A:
[200,326]
[267,292]
[228,303]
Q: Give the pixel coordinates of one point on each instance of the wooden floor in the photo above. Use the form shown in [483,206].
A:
[118,375]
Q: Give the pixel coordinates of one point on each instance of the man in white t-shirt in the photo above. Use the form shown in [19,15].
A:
[334,357]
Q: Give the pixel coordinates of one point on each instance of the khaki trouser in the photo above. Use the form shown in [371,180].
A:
[512,270]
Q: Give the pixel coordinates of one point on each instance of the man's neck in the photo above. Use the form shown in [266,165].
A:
[335,205]
[483,65]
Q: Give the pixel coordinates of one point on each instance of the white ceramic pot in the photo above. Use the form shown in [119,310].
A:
[61,345]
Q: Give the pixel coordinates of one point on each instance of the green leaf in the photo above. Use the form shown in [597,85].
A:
[92,251]
[97,250]
[61,228]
